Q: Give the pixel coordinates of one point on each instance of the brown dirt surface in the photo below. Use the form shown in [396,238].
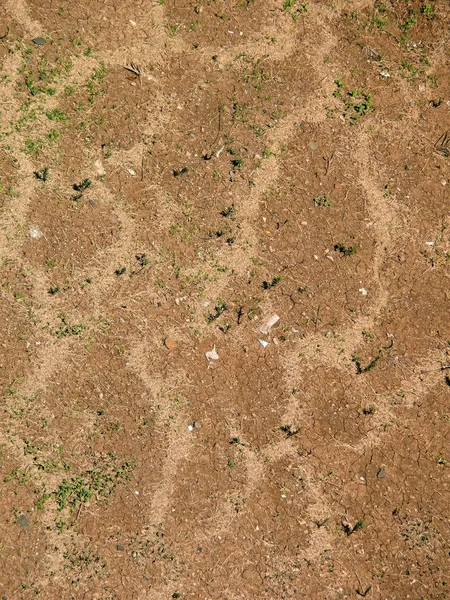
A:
[172,174]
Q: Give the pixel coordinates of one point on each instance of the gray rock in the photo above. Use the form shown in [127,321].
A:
[39,41]
[381,473]
[197,425]
[23,521]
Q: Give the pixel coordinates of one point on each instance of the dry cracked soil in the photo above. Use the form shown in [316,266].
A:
[173,173]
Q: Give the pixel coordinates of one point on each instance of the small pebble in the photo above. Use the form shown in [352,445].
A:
[35,232]
[313,145]
[170,343]
[197,425]
[120,548]
[23,521]
[39,41]
[381,473]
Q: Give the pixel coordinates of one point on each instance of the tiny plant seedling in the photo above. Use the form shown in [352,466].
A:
[218,310]
[345,250]
[266,285]
[42,174]
[80,188]
[349,529]
[322,200]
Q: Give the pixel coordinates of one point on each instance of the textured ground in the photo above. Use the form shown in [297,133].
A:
[172,174]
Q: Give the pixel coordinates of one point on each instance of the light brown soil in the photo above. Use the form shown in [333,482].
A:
[172,174]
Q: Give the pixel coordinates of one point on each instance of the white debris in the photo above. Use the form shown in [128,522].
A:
[267,325]
[35,232]
[212,354]
[429,243]
[99,167]
[363,291]
[133,22]
[190,428]
[132,172]
[263,343]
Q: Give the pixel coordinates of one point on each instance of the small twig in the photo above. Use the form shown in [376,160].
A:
[328,162]
[442,145]
[136,70]
[444,368]
[79,511]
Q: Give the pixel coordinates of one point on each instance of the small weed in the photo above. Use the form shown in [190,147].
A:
[428,11]
[65,330]
[231,463]
[409,21]
[339,88]
[94,82]
[182,171]
[56,115]
[51,263]
[42,175]
[266,285]
[142,259]
[379,23]
[295,8]
[228,212]
[322,200]
[357,103]
[369,367]
[171,29]
[368,334]
[237,441]
[218,310]
[52,136]
[345,250]
[80,188]
[239,113]
[237,162]
[409,69]
[369,410]
[359,108]
[120,271]
[349,529]
[101,480]
[289,431]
